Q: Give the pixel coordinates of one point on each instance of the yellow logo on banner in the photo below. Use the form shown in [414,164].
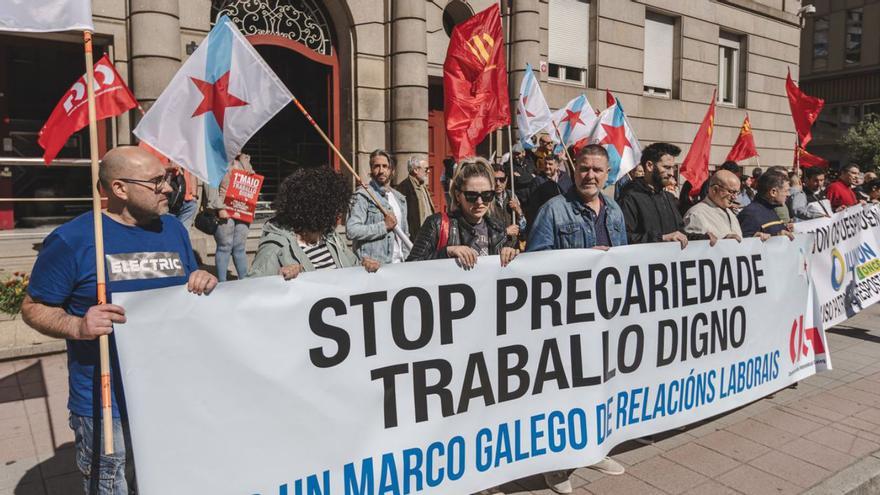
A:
[481,46]
[711,124]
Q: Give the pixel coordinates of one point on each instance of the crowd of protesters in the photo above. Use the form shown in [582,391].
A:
[539,199]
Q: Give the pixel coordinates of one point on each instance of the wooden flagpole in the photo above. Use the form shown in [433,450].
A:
[397,231]
[510,125]
[103,341]
[565,149]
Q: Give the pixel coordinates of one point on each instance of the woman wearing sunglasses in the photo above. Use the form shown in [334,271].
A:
[468,231]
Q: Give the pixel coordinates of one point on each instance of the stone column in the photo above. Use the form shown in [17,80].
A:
[525,39]
[409,82]
[155,46]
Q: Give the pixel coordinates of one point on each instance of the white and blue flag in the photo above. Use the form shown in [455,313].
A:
[613,132]
[532,113]
[221,96]
[575,121]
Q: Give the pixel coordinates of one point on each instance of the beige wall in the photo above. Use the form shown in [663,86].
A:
[616,58]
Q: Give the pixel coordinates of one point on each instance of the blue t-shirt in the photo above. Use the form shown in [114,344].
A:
[136,258]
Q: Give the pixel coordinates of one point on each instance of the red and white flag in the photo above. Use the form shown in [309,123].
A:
[39,16]
[112,98]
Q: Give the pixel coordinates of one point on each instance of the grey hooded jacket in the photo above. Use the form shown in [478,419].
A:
[278,247]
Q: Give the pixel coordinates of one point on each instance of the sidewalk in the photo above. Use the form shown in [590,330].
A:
[819,438]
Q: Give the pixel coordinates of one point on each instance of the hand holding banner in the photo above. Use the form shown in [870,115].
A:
[431,379]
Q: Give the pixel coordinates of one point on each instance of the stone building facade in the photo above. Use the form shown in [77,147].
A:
[371,70]
[840,62]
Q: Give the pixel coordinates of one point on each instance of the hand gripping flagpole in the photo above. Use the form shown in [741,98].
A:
[103,341]
[397,231]
[565,149]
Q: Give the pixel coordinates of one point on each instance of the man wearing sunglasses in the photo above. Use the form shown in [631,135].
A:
[506,205]
[144,249]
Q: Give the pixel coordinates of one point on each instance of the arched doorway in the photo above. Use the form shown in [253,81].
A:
[295,38]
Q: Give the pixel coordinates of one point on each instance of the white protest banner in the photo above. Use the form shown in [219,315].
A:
[844,261]
[427,378]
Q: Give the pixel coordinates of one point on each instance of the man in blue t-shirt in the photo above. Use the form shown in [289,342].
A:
[144,249]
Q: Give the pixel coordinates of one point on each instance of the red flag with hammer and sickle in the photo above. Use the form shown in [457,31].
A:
[112,97]
[744,147]
[475,82]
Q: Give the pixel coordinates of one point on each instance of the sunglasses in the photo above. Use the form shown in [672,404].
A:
[471,196]
[501,179]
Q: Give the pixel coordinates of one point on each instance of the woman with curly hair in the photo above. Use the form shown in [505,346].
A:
[302,237]
[467,232]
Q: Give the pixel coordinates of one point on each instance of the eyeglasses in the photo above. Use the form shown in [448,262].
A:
[501,179]
[158,183]
[471,196]
[731,192]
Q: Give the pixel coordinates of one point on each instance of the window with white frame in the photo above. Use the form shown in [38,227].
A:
[659,53]
[730,68]
[569,39]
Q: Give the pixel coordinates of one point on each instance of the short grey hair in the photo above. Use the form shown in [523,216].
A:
[414,162]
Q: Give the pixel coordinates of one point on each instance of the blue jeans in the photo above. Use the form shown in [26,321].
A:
[187,213]
[231,238]
[102,474]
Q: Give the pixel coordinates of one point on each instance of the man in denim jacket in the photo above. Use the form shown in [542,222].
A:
[371,233]
[583,217]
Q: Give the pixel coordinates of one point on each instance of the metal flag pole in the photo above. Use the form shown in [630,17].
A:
[103,341]
[397,230]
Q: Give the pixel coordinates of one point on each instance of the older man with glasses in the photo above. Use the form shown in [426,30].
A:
[415,190]
[713,217]
[145,249]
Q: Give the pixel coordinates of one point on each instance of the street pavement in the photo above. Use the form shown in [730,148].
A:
[822,437]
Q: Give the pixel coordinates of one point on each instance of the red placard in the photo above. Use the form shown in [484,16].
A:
[241,195]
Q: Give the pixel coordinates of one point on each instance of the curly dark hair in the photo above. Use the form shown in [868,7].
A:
[312,199]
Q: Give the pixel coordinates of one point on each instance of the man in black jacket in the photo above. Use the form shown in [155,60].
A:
[760,219]
[651,213]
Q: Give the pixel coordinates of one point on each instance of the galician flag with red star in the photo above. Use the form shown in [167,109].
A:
[221,96]
[612,130]
[575,120]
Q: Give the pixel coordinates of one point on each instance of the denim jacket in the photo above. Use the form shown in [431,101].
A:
[366,225]
[562,223]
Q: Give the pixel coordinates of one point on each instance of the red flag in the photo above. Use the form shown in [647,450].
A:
[744,147]
[112,97]
[695,167]
[804,110]
[805,159]
[609,98]
[475,82]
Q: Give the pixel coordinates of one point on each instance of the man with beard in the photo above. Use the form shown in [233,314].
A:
[415,189]
[371,232]
[651,212]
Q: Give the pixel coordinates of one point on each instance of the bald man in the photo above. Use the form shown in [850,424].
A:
[714,217]
[144,249]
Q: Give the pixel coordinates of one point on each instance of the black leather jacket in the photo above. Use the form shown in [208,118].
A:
[461,233]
